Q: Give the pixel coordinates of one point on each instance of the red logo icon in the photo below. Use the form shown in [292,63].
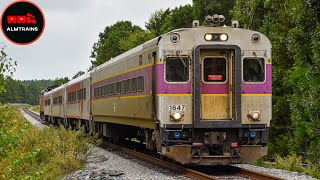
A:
[28,19]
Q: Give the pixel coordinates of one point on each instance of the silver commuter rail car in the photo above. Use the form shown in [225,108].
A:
[198,95]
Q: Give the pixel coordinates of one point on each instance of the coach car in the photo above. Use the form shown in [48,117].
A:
[199,95]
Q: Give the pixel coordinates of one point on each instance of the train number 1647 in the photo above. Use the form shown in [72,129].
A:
[180,107]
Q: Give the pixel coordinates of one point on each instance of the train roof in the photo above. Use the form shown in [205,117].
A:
[122,56]
[71,82]
[219,29]
[78,79]
[48,89]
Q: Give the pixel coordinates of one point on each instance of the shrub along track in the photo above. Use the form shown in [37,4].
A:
[196,173]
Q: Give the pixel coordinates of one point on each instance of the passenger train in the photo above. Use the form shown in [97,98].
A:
[199,95]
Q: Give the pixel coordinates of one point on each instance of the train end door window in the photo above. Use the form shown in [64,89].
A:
[177,69]
[214,69]
[253,70]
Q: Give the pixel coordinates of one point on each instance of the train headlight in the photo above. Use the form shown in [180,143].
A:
[224,37]
[208,37]
[176,116]
[255,115]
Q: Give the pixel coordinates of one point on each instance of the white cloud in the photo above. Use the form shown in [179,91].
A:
[71,29]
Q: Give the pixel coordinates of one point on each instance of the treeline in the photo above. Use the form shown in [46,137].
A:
[293,26]
[26,91]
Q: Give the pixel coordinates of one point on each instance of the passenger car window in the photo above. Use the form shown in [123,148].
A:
[110,89]
[214,69]
[177,69]
[140,83]
[114,88]
[123,87]
[253,70]
[134,85]
[128,85]
[118,88]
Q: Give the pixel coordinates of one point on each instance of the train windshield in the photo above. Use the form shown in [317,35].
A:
[177,69]
[253,70]
[214,69]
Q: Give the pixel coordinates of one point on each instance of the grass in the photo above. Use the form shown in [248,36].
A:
[29,153]
[35,108]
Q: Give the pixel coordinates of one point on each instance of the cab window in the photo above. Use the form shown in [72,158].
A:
[214,69]
[253,70]
[177,69]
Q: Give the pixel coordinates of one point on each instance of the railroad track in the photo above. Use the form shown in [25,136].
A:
[35,116]
[189,172]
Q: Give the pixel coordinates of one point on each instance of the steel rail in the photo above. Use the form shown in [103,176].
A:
[166,165]
[258,175]
[35,116]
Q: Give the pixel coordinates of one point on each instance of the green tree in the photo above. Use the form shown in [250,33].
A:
[79,73]
[250,13]
[156,21]
[136,39]
[59,81]
[203,8]
[7,67]
[108,45]
[11,92]
[180,17]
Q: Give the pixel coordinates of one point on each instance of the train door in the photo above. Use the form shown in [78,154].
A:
[215,84]
[216,81]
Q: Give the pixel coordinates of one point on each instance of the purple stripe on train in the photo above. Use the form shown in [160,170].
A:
[146,72]
[265,88]
[166,88]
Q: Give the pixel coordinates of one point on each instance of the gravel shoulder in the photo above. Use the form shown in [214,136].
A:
[277,172]
[34,122]
[107,164]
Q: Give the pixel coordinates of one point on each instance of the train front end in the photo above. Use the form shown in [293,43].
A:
[213,95]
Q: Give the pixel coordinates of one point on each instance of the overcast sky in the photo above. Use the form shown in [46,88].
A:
[72,26]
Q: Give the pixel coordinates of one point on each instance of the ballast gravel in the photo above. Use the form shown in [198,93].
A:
[108,165]
[277,172]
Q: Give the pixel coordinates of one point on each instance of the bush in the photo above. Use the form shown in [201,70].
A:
[291,163]
[313,170]
[294,163]
[29,153]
